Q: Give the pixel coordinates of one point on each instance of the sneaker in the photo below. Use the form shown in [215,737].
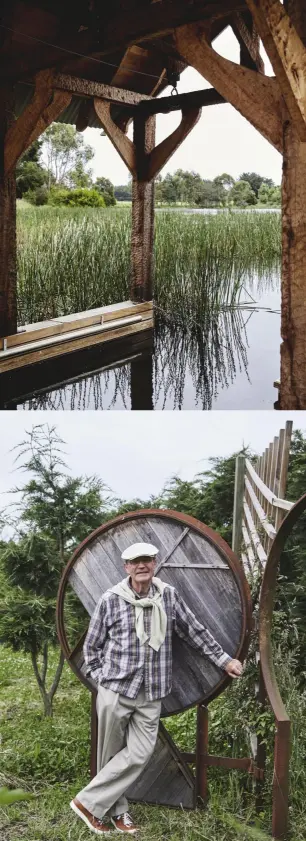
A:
[100,827]
[124,823]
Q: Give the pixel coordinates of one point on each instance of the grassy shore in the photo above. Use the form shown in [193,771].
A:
[50,758]
[71,260]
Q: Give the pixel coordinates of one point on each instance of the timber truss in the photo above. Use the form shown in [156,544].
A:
[165,36]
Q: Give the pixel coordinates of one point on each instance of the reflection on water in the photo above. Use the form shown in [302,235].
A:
[221,363]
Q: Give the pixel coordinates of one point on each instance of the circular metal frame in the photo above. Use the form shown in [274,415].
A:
[266,605]
[205,531]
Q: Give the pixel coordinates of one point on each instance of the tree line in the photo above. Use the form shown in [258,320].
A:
[55,170]
[184,187]
[55,512]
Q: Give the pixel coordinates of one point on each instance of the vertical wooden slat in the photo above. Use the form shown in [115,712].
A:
[238,505]
[284,471]
[278,469]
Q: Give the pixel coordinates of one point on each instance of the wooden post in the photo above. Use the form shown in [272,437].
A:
[293,327]
[260,758]
[280,785]
[238,504]
[8,270]
[201,752]
[142,211]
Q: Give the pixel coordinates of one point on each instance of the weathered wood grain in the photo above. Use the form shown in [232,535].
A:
[257,97]
[212,593]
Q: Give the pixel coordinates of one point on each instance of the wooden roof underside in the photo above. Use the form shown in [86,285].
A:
[127,43]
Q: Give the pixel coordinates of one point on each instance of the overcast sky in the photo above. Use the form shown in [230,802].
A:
[136,452]
[222,140]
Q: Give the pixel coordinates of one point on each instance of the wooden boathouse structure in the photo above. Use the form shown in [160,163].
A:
[95,64]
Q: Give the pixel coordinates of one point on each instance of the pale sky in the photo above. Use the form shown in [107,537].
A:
[136,452]
[222,140]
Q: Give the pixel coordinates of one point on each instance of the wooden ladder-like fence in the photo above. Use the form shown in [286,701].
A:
[259,510]
[259,503]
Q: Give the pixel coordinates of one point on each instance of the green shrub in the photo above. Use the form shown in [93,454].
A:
[39,196]
[76,198]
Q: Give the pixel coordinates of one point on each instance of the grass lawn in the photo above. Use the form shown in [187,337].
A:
[50,758]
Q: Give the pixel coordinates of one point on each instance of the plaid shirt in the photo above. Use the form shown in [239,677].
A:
[115,658]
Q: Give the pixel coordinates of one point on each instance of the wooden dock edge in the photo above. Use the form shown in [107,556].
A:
[56,337]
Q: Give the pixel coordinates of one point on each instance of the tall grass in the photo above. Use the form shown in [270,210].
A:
[50,757]
[71,260]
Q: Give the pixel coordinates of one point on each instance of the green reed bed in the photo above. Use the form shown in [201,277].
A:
[71,260]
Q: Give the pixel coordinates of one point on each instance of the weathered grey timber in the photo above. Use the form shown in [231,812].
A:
[202,575]
[206,573]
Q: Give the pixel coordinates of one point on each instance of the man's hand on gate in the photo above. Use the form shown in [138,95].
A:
[234,668]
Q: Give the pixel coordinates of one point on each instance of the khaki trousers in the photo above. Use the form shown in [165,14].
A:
[127,734]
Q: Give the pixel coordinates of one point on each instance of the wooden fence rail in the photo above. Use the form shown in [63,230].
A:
[259,503]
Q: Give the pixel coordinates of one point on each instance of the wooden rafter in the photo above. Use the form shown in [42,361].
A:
[181,102]
[122,143]
[155,159]
[249,42]
[161,153]
[257,97]
[85,87]
[287,54]
[118,33]
[16,140]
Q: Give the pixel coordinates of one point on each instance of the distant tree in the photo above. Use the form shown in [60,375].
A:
[123,192]
[225,180]
[255,181]
[56,512]
[210,194]
[80,179]
[269,195]
[29,172]
[65,153]
[242,194]
[169,189]
[106,188]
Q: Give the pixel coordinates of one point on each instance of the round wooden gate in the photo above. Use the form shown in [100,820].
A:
[193,559]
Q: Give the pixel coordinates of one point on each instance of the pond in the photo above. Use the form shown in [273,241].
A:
[217,298]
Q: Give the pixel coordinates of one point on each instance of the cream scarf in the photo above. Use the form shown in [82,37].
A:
[159,616]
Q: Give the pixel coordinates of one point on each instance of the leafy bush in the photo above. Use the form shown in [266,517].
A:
[76,198]
[38,196]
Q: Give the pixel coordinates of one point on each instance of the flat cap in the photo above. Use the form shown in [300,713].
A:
[139,550]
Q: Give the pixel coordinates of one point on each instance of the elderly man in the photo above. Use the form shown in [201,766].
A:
[128,652]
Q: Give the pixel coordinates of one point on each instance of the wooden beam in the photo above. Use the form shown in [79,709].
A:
[248,38]
[122,143]
[8,268]
[287,54]
[161,153]
[193,99]
[85,87]
[256,97]
[130,27]
[156,19]
[17,137]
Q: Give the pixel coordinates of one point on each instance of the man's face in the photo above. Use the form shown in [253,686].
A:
[141,571]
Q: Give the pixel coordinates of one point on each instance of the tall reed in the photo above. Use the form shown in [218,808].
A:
[71,260]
